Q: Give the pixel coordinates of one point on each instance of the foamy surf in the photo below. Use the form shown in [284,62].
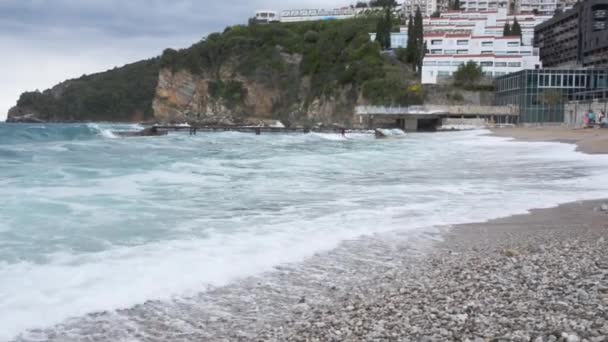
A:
[115,224]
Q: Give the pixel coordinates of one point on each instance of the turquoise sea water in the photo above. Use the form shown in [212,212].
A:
[90,222]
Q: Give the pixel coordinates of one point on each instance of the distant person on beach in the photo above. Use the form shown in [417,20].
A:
[343,132]
[591,118]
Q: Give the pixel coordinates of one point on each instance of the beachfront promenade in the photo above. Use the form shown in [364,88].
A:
[412,118]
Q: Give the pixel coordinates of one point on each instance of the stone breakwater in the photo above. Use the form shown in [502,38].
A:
[538,277]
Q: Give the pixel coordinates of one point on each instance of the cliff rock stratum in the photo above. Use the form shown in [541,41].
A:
[300,73]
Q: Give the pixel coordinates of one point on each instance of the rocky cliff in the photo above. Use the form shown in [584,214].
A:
[300,74]
[232,98]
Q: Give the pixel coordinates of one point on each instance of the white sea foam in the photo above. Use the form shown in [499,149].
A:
[126,222]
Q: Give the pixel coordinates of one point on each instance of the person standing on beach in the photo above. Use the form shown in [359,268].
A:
[591,118]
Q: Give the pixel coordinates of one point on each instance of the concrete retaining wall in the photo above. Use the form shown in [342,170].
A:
[574,114]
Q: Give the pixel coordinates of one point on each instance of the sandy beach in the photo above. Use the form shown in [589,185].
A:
[592,141]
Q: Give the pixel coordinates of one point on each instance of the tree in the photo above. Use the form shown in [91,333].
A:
[419,38]
[411,41]
[361,4]
[468,74]
[515,28]
[506,31]
[384,28]
[436,14]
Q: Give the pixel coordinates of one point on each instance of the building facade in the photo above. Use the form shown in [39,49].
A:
[541,94]
[575,38]
[427,7]
[484,23]
[497,56]
[483,5]
[442,67]
[543,7]
[300,15]
[266,16]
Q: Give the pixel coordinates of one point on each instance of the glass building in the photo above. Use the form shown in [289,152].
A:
[542,93]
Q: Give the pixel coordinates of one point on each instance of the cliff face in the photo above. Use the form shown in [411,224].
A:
[185,97]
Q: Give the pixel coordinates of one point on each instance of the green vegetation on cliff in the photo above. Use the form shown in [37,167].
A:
[305,65]
[335,55]
[121,94]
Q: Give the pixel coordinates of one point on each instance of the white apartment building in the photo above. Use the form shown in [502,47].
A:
[292,16]
[496,55]
[427,7]
[438,67]
[543,7]
[483,5]
[486,23]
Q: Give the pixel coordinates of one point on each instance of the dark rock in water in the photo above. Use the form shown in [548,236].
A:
[148,132]
[19,115]
[380,135]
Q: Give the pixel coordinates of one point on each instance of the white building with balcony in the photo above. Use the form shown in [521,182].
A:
[438,67]
[293,16]
[488,23]
[266,16]
[427,7]
[543,7]
[497,55]
[483,5]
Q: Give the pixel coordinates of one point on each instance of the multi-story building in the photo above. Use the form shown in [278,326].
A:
[488,23]
[496,55]
[577,37]
[483,5]
[291,16]
[543,7]
[541,94]
[266,16]
[427,7]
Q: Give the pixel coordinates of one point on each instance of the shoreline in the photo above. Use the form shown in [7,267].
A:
[590,141]
[541,276]
[511,279]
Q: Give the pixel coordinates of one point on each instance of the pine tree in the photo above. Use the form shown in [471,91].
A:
[411,41]
[506,31]
[419,39]
[384,28]
[515,28]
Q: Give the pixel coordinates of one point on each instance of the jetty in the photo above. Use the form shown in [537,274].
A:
[430,117]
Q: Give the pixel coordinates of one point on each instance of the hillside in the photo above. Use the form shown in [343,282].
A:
[121,94]
[299,73]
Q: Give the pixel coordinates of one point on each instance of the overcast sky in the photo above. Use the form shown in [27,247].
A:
[44,42]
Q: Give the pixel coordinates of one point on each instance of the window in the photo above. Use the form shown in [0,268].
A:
[462,52]
[526,53]
[429,63]
[443,63]
[457,63]
[462,42]
[513,52]
[436,42]
[443,73]
[486,63]
[436,52]
[487,44]
[500,64]
[514,64]
[499,73]
[512,44]
[486,52]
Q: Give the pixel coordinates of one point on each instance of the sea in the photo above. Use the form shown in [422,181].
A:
[92,224]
